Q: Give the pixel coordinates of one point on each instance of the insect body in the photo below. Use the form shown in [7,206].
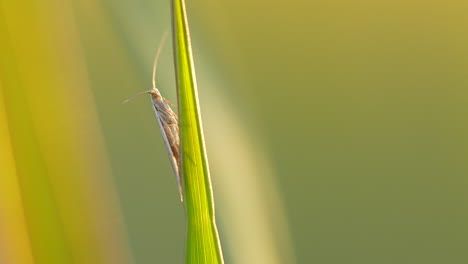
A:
[167,121]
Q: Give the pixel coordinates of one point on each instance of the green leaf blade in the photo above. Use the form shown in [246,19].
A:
[203,244]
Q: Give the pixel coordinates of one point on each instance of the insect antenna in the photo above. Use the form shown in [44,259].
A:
[133,97]
[155,63]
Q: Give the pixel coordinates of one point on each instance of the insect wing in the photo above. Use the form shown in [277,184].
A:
[170,132]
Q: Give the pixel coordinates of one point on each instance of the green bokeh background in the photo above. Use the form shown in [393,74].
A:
[360,108]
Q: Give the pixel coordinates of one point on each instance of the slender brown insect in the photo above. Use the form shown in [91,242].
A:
[167,121]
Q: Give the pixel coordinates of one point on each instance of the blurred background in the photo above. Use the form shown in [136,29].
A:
[336,131]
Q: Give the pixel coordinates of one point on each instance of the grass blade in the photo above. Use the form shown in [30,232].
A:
[203,244]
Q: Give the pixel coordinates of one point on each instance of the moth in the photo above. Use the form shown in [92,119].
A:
[167,120]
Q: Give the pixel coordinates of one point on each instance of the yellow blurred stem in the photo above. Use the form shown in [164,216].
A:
[14,240]
[43,222]
[62,173]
